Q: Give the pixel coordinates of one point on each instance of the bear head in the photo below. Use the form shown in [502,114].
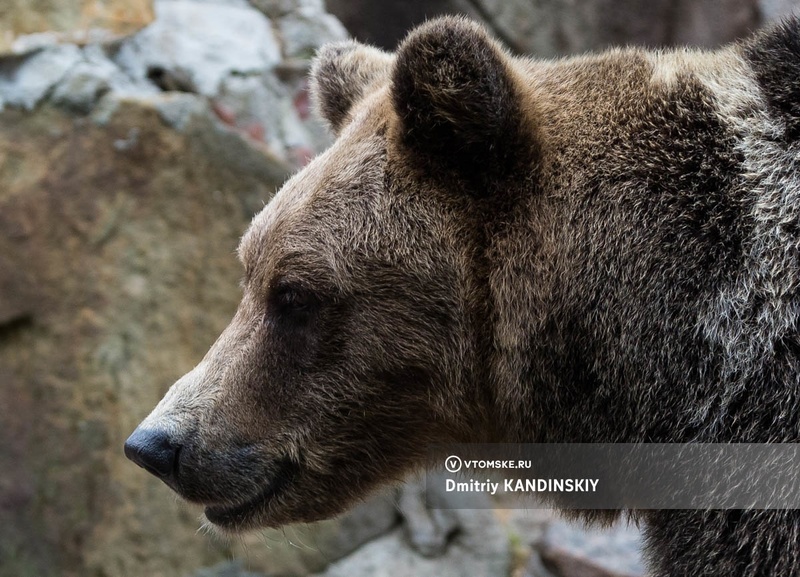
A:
[362,334]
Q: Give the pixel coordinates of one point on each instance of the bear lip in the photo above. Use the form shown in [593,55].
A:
[236,515]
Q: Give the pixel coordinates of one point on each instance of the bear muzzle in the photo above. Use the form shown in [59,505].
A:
[235,484]
[155,451]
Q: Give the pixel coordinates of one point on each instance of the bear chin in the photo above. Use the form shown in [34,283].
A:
[255,511]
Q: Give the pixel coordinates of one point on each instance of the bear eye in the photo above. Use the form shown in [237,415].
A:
[291,301]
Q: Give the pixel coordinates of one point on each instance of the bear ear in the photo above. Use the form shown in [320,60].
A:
[341,75]
[454,94]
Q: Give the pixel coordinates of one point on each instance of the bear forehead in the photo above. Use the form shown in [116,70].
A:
[325,205]
[576,102]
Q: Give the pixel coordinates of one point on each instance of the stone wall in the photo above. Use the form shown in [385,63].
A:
[559,27]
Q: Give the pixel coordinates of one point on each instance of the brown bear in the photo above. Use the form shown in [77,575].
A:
[498,249]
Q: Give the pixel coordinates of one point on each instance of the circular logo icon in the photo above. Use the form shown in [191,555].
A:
[453,463]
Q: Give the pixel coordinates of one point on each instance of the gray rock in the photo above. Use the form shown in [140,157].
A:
[568,550]
[25,43]
[25,81]
[699,23]
[335,539]
[480,550]
[226,569]
[535,568]
[267,110]
[559,27]
[81,88]
[196,45]
[129,251]
[427,529]
[776,9]
[255,106]
[235,3]
[36,41]
[474,543]
[280,8]
[306,30]
[86,82]
[106,108]
[178,110]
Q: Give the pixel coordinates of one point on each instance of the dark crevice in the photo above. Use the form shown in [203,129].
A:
[171,80]
[11,327]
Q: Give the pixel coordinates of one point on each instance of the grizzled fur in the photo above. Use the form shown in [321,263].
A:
[599,249]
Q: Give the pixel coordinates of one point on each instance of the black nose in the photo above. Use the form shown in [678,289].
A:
[154,451]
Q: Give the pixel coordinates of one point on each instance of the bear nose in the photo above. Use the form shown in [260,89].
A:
[154,451]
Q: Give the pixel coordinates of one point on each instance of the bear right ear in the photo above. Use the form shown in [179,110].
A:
[341,75]
[455,93]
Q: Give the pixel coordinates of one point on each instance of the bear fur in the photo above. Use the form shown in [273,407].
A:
[603,248]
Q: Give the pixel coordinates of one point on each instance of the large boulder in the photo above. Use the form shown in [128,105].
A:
[117,273]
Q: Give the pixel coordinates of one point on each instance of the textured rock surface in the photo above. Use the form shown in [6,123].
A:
[126,251]
[775,9]
[480,548]
[71,17]
[249,67]
[568,550]
[556,27]
[25,82]
[195,47]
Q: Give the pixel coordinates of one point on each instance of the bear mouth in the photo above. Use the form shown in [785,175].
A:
[237,515]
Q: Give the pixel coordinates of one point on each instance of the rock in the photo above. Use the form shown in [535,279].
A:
[569,550]
[428,529]
[304,31]
[129,252]
[25,43]
[24,81]
[279,8]
[35,41]
[270,111]
[226,569]
[453,542]
[481,550]
[179,110]
[214,57]
[777,9]
[555,27]
[559,27]
[386,23]
[535,568]
[195,45]
[70,16]
[17,298]
[87,81]
[699,23]
[255,100]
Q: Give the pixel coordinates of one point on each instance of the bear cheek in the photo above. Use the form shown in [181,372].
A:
[266,388]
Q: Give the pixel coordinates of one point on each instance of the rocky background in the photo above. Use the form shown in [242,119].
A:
[137,139]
